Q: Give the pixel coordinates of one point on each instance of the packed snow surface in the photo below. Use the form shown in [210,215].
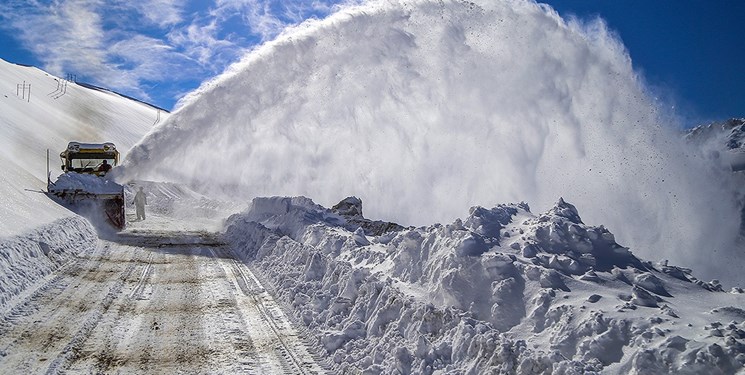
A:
[425,107]
[154,298]
[501,291]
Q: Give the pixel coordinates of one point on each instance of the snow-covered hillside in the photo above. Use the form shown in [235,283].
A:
[47,114]
[449,104]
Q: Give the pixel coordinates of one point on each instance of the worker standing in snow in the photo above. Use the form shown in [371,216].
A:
[140,202]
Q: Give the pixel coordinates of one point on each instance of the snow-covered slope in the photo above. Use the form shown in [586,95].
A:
[725,142]
[425,107]
[500,291]
[42,116]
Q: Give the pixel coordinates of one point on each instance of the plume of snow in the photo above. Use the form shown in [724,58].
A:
[424,108]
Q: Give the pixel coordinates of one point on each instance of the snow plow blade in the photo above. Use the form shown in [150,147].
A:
[99,208]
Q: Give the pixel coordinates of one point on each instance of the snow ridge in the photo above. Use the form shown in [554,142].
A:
[502,291]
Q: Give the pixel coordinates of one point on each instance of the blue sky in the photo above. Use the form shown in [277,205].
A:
[692,52]
[154,50]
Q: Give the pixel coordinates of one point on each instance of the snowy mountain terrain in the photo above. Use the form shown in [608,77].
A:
[724,140]
[46,115]
[420,124]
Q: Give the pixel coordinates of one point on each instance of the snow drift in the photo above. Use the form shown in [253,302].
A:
[501,291]
[426,107]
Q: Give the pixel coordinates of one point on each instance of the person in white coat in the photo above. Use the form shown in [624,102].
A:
[140,202]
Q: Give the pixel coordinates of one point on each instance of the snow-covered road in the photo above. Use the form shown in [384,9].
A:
[152,302]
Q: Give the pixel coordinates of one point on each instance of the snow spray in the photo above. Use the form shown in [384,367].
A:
[425,108]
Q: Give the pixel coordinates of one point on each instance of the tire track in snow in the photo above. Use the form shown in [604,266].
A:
[58,281]
[173,306]
[231,322]
[287,346]
[166,321]
[44,331]
[107,347]
[71,351]
[194,350]
[309,338]
[26,324]
[106,358]
[137,292]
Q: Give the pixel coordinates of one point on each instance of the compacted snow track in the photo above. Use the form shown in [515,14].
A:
[152,302]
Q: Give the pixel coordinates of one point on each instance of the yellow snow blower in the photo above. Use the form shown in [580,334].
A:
[83,187]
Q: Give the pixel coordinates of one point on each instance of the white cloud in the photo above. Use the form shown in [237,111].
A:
[145,59]
[268,18]
[163,13]
[127,45]
[60,34]
[200,42]
[257,15]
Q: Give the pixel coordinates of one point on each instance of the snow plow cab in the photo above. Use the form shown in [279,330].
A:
[83,188]
[89,158]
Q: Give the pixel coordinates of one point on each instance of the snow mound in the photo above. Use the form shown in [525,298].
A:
[350,209]
[501,291]
[28,258]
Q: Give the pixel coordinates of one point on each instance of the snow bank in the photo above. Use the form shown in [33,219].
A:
[501,291]
[27,258]
[37,235]
[24,207]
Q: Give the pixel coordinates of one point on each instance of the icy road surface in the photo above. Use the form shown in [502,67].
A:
[151,302]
